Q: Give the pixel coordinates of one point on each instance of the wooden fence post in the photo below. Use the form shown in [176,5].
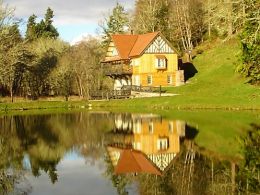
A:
[160,90]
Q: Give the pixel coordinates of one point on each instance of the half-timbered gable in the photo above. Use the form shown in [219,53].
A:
[160,46]
[162,160]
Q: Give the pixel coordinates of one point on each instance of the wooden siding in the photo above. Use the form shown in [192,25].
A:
[111,51]
[159,45]
[159,78]
[148,140]
[147,66]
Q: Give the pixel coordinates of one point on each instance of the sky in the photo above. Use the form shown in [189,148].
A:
[74,19]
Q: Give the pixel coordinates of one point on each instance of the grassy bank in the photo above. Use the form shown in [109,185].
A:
[41,105]
[215,85]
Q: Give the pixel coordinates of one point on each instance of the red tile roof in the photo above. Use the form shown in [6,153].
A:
[132,45]
[142,42]
[124,44]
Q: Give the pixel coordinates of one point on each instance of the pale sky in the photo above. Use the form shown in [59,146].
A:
[73,18]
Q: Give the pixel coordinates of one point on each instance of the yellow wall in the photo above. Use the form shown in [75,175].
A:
[148,140]
[146,66]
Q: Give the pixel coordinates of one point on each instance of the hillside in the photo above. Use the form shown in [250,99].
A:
[215,85]
[216,75]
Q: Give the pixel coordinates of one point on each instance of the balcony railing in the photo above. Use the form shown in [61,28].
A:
[117,69]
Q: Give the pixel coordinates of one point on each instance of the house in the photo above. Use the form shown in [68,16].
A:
[142,60]
[158,139]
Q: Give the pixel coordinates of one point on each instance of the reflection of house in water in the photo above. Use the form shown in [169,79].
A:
[158,139]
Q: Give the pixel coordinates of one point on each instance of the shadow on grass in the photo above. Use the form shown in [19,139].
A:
[189,70]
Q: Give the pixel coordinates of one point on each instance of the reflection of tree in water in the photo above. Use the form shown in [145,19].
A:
[41,142]
[11,155]
[48,166]
[249,171]
[44,139]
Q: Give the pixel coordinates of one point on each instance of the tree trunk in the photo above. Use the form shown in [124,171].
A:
[11,94]
[230,17]
[233,177]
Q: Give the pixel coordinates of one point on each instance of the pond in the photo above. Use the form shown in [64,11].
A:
[104,152]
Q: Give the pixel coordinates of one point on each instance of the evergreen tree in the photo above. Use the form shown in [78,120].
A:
[49,30]
[43,29]
[250,39]
[31,28]
[116,23]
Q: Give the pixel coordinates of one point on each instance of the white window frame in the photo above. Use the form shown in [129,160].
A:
[169,78]
[149,79]
[150,127]
[162,144]
[160,63]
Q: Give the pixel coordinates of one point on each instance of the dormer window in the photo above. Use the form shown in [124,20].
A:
[160,62]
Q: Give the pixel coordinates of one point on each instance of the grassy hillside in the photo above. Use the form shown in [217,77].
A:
[216,85]
[216,74]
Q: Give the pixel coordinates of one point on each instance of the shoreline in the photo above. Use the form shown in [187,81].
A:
[117,104]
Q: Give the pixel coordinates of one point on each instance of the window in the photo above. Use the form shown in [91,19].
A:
[150,127]
[161,62]
[136,80]
[137,127]
[137,145]
[149,79]
[114,52]
[169,79]
[170,127]
[162,143]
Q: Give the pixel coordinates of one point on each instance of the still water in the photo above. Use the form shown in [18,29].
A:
[130,153]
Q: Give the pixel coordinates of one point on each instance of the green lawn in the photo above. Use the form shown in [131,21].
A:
[216,85]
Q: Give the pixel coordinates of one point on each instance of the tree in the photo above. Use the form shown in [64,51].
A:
[6,14]
[181,21]
[188,25]
[79,69]
[146,16]
[31,33]
[153,15]
[116,23]
[224,18]
[43,29]
[250,41]
[46,52]
[10,67]
[249,171]
[49,30]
